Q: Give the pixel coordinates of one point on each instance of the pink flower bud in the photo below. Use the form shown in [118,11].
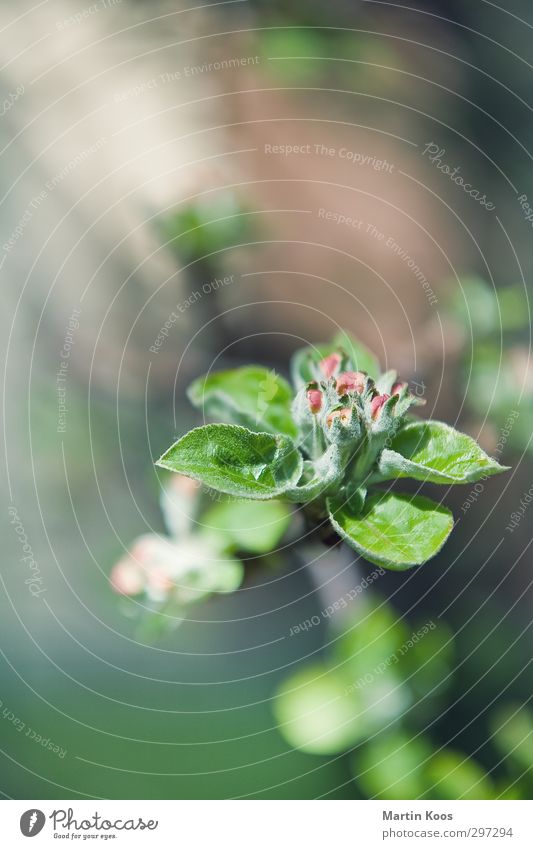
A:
[345,416]
[314,397]
[398,387]
[330,364]
[377,404]
[127,578]
[351,381]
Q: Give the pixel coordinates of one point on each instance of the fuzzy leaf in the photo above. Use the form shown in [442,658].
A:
[435,452]
[318,477]
[394,531]
[386,381]
[236,461]
[251,396]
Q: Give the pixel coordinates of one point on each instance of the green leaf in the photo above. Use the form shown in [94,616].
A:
[394,531]
[251,396]
[234,460]
[247,525]
[435,452]
[304,365]
[318,477]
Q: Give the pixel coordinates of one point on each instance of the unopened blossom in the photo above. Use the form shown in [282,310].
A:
[351,381]
[315,398]
[398,387]
[377,405]
[343,415]
[330,365]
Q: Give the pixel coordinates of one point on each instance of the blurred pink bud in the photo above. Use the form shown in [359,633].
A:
[158,581]
[345,416]
[146,549]
[330,364]
[350,381]
[398,387]
[127,578]
[377,404]
[314,397]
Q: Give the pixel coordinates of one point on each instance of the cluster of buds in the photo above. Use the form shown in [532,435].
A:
[348,408]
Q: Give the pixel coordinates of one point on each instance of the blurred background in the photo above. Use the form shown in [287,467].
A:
[187,187]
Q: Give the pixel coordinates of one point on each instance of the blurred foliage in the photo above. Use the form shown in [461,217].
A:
[512,727]
[206,226]
[162,577]
[492,327]
[377,687]
[372,676]
[333,59]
